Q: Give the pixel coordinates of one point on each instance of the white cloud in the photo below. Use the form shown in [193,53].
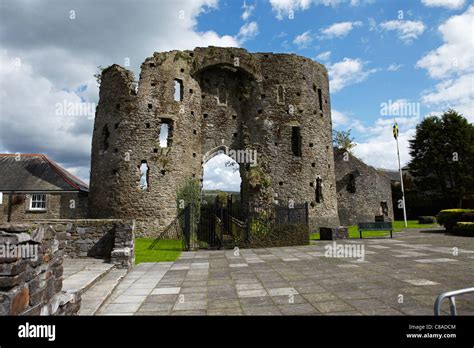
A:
[453,64]
[394,67]
[339,30]
[407,31]
[347,72]
[380,151]
[218,176]
[457,94]
[247,31]
[450,4]
[456,55]
[285,7]
[59,54]
[339,118]
[324,55]
[303,40]
[248,10]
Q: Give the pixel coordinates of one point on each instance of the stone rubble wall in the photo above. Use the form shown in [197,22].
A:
[107,239]
[32,286]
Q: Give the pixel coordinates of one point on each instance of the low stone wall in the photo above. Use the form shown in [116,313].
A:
[31,269]
[100,238]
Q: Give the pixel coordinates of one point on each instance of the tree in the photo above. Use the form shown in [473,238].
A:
[342,140]
[443,157]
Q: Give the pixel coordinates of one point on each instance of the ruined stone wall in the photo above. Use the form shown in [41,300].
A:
[111,240]
[31,270]
[230,99]
[360,190]
[59,206]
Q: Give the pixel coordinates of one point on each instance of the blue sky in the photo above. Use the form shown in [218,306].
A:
[419,54]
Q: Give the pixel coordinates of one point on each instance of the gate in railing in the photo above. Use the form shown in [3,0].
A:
[223,226]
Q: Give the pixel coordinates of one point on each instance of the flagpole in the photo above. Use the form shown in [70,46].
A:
[401,177]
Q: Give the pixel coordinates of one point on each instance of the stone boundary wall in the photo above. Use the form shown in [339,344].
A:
[31,272]
[109,239]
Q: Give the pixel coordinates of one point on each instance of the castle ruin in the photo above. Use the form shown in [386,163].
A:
[206,101]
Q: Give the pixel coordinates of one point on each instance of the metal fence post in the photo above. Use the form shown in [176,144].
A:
[187,226]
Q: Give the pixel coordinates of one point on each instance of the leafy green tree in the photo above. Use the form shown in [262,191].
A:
[443,157]
[342,140]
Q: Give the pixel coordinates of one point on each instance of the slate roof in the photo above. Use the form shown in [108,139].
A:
[36,172]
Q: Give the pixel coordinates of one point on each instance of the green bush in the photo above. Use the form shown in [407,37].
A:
[426,220]
[449,217]
[465,225]
[464,229]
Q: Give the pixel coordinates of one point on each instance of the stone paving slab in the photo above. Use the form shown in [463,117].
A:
[400,276]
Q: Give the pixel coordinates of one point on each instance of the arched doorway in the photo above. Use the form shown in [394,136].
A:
[221,212]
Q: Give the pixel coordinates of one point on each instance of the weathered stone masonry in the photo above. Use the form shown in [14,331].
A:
[362,191]
[31,272]
[276,104]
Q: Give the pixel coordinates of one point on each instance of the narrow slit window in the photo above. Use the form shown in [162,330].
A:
[280,95]
[144,175]
[178,90]
[351,184]
[105,138]
[165,133]
[296,141]
[319,190]
[222,94]
[320,98]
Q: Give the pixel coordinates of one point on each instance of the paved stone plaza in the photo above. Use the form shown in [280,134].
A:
[303,281]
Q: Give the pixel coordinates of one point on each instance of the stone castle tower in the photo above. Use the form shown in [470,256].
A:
[210,100]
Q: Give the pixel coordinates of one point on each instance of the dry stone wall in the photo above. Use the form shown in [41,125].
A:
[31,269]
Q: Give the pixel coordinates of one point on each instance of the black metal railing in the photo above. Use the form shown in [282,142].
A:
[220,226]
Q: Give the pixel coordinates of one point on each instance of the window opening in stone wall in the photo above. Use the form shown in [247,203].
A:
[384,208]
[351,184]
[280,95]
[222,94]
[105,138]
[320,97]
[296,141]
[144,175]
[319,190]
[178,90]
[165,133]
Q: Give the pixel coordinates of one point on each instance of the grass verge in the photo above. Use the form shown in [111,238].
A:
[397,227]
[165,250]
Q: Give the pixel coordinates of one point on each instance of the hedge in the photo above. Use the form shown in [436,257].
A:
[464,229]
[449,217]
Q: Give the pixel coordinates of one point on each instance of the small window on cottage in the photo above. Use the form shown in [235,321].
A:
[296,141]
[178,90]
[319,190]
[280,95]
[144,170]
[351,184]
[165,133]
[1,197]
[38,201]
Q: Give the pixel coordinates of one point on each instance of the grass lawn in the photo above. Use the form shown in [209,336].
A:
[397,227]
[165,250]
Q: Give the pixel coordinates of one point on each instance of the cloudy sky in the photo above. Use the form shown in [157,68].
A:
[411,57]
